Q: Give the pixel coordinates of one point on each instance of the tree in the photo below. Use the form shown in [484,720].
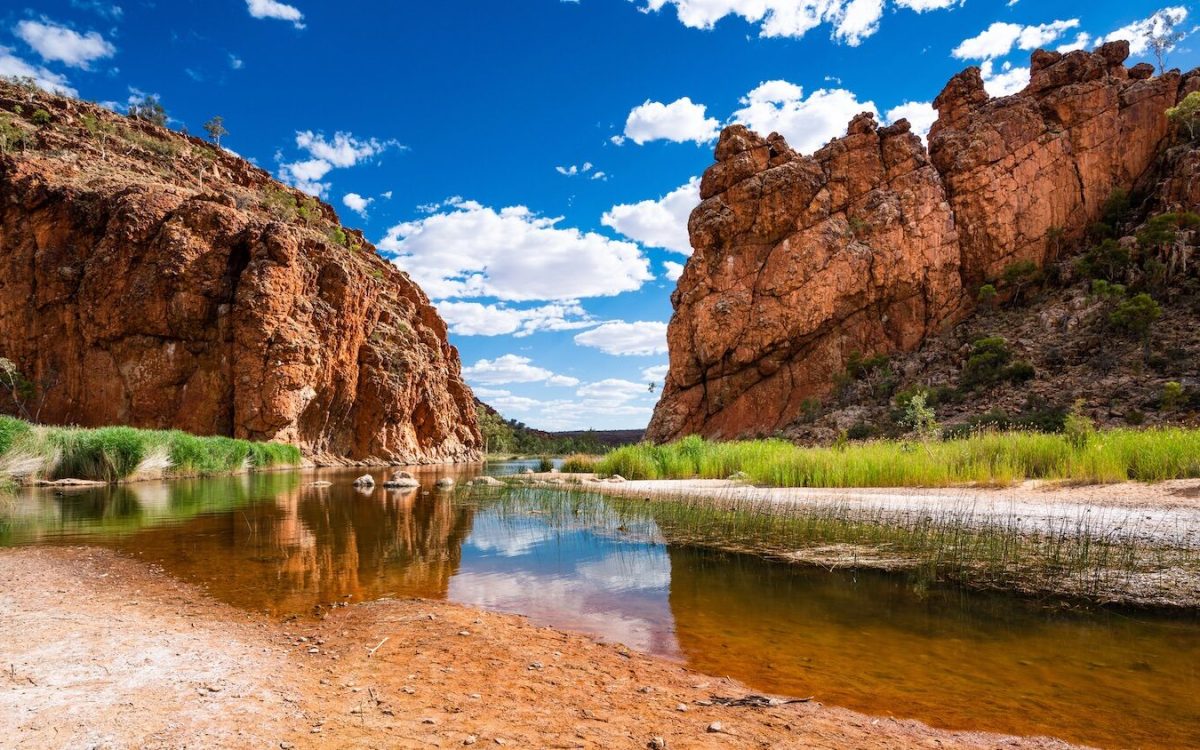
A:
[1186,115]
[920,418]
[1135,316]
[1163,36]
[215,129]
[1018,274]
[101,130]
[150,110]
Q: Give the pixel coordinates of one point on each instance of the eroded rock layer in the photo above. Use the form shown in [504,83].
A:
[150,279]
[874,242]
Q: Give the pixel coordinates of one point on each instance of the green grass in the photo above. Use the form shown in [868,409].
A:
[111,454]
[989,458]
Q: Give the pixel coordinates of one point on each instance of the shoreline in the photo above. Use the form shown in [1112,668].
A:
[1158,523]
[105,649]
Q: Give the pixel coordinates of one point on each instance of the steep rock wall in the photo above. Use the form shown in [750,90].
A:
[149,279]
[874,242]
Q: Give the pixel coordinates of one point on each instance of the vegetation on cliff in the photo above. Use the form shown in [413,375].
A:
[111,454]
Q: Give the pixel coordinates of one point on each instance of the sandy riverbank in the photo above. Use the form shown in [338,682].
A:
[102,651]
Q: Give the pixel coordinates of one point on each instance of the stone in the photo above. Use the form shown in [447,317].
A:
[401,479]
[875,243]
[444,483]
[486,481]
[366,480]
[136,294]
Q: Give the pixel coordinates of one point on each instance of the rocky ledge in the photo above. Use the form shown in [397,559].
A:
[875,243]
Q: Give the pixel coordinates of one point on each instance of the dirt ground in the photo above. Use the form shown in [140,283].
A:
[101,651]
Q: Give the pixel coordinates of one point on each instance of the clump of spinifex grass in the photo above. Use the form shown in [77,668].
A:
[990,458]
[579,463]
[111,454]
[1079,558]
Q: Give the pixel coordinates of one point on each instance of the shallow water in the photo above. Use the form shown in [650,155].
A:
[867,641]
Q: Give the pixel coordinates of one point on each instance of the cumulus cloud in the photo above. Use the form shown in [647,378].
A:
[999,39]
[12,66]
[574,169]
[1003,81]
[1140,32]
[850,21]
[806,122]
[680,121]
[672,270]
[619,338]
[357,203]
[277,10]
[478,319]
[656,374]
[512,254]
[1082,40]
[612,391]
[920,115]
[56,43]
[513,368]
[658,223]
[342,151]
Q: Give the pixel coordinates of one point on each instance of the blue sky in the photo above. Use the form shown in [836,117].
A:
[531,163]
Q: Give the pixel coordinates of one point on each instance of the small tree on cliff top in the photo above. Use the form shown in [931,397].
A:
[215,129]
[1186,116]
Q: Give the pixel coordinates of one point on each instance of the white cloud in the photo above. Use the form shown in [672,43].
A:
[1082,39]
[680,121]
[12,66]
[672,270]
[478,319]
[357,203]
[277,10]
[999,38]
[512,254]
[343,151]
[806,123]
[920,115]
[1139,32]
[1008,80]
[612,391]
[922,6]
[512,368]
[602,176]
[851,20]
[626,339]
[60,44]
[656,374]
[573,170]
[236,62]
[658,223]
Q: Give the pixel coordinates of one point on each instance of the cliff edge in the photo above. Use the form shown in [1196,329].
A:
[153,279]
[875,244]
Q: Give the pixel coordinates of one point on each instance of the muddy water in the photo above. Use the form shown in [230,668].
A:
[872,642]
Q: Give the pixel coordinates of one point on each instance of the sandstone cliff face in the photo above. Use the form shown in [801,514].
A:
[149,279]
[874,243]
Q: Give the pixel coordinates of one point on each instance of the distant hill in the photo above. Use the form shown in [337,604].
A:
[511,436]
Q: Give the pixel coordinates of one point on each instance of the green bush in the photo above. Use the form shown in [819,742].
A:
[1108,260]
[1136,315]
[990,362]
[579,463]
[987,294]
[12,430]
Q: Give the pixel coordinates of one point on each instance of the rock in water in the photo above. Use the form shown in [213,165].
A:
[444,483]
[155,280]
[366,480]
[874,243]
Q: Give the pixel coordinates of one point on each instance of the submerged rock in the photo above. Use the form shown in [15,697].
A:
[366,480]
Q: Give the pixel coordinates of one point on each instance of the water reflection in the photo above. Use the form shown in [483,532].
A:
[283,543]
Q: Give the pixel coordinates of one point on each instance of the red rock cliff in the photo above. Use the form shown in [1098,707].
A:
[874,242]
[150,279]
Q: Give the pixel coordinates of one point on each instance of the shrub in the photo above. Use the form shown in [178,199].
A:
[1020,372]
[1105,290]
[545,464]
[920,418]
[1020,274]
[338,236]
[579,463]
[1078,427]
[279,203]
[1186,115]
[1108,260]
[150,110]
[990,362]
[309,210]
[40,117]
[12,430]
[987,294]
[1172,396]
[1136,315]
[859,431]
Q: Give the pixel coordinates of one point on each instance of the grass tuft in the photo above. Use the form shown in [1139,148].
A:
[111,454]
[994,458]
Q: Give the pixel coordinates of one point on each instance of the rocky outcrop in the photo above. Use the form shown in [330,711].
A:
[875,243]
[151,279]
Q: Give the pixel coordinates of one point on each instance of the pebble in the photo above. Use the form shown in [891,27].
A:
[716,727]
[464,632]
[535,665]
[408,689]
[314,650]
[657,743]
[429,720]
[682,707]
[470,740]
[286,746]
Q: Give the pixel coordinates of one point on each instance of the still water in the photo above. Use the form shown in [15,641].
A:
[871,642]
